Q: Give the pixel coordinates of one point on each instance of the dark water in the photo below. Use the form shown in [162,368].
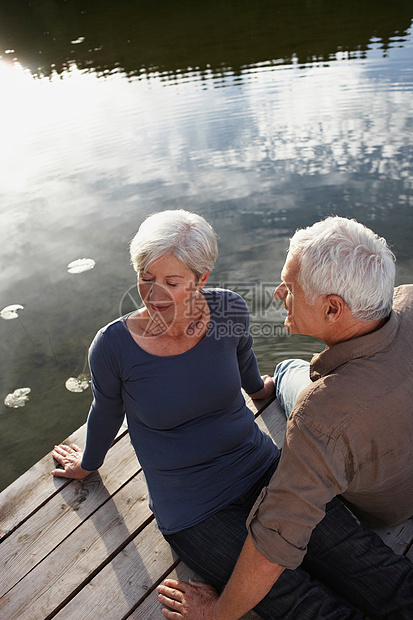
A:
[261,115]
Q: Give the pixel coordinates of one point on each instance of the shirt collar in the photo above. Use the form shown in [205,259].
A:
[328,360]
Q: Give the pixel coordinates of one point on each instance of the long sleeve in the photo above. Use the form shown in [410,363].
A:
[313,469]
[248,366]
[107,412]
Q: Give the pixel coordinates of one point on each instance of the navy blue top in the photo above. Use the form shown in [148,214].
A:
[195,438]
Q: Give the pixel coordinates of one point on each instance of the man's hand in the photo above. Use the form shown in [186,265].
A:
[70,459]
[188,601]
[251,580]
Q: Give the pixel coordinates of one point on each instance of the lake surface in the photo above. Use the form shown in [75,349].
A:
[263,116]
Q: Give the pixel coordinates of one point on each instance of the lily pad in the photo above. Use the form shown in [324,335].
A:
[77,384]
[10,312]
[80,265]
[18,398]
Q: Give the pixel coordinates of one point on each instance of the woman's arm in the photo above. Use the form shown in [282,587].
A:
[251,380]
[105,417]
[268,389]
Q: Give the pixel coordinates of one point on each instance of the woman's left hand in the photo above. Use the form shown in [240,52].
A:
[70,458]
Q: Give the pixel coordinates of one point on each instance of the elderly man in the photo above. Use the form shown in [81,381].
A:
[350,432]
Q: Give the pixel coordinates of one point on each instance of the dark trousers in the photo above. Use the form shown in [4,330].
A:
[347,572]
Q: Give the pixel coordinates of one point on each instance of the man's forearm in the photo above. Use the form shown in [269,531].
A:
[251,580]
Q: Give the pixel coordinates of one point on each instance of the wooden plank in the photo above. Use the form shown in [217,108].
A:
[33,488]
[125,582]
[257,405]
[272,421]
[59,517]
[399,537]
[151,609]
[77,559]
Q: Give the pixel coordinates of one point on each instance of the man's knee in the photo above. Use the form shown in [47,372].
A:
[290,378]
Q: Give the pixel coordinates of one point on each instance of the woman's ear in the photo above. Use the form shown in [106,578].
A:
[335,308]
[202,280]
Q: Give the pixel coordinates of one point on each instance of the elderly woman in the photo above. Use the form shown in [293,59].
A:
[176,368]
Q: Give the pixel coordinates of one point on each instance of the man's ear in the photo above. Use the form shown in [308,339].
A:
[335,308]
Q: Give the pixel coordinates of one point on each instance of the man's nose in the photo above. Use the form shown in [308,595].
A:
[279,293]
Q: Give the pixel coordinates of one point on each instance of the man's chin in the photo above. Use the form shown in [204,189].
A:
[290,328]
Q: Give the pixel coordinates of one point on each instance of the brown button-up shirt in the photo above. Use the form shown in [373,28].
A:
[350,433]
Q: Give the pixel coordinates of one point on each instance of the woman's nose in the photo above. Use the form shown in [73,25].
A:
[155,292]
[159,293]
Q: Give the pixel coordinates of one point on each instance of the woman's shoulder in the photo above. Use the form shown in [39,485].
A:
[224,293]
[226,305]
[114,326]
[111,333]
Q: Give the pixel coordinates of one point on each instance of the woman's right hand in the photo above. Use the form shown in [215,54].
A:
[268,389]
[70,458]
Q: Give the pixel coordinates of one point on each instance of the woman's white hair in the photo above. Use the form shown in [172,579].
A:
[185,235]
[342,257]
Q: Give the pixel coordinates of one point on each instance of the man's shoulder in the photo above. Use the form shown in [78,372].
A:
[359,393]
[403,297]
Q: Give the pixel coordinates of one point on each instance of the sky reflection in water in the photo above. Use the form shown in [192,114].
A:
[85,158]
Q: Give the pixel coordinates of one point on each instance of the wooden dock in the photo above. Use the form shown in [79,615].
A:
[89,550]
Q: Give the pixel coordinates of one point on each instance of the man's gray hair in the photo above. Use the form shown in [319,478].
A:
[343,257]
[185,235]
